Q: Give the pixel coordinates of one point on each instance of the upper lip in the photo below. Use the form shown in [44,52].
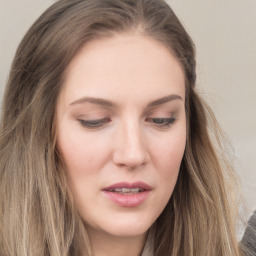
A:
[138,184]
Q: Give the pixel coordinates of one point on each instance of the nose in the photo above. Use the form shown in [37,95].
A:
[130,147]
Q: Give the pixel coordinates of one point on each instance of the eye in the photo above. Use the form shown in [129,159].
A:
[161,122]
[96,123]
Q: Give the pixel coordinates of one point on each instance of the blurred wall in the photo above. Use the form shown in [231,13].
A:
[224,32]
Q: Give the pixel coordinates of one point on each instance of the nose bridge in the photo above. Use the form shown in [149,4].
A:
[130,149]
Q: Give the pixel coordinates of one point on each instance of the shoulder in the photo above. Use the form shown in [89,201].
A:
[248,242]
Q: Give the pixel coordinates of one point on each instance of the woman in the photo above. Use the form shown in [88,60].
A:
[105,143]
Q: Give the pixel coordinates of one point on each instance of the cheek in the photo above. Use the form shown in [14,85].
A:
[83,159]
[82,155]
[168,157]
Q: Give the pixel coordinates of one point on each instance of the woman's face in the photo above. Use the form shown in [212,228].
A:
[121,130]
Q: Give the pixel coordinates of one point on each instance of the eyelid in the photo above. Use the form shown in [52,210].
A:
[94,123]
[161,122]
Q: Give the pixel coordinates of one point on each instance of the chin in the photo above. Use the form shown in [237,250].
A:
[125,227]
[127,232]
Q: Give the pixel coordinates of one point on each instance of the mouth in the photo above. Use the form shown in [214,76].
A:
[128,188]
[128,194]
[126,191]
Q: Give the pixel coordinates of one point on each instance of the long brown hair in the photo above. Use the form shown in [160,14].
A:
[37,214]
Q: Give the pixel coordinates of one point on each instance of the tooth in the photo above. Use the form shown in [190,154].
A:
[135,190]
[126,190]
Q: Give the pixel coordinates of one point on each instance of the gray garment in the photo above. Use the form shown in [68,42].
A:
[248,242]
[149,246]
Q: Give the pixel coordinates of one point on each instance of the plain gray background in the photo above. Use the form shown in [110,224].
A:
[224,32]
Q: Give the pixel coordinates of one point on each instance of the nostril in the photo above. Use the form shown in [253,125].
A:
[130,149]
[130,161]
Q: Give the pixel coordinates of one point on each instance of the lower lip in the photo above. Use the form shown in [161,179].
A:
[132,200]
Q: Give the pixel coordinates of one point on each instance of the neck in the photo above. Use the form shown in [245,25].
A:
[104,244]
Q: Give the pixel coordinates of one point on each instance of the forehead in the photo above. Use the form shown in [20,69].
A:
[127,63]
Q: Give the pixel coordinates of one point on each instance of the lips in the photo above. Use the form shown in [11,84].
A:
[128,194]
[128,187]
[127,190]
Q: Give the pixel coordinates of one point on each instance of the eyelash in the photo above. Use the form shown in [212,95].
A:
[162,122]
[98,123]
[93,124]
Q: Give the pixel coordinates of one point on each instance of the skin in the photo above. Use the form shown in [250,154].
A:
[136,136]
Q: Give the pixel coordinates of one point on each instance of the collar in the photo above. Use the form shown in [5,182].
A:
[149,245]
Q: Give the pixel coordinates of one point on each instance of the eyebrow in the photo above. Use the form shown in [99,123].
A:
[96,101]
[165,100]
[107,103]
